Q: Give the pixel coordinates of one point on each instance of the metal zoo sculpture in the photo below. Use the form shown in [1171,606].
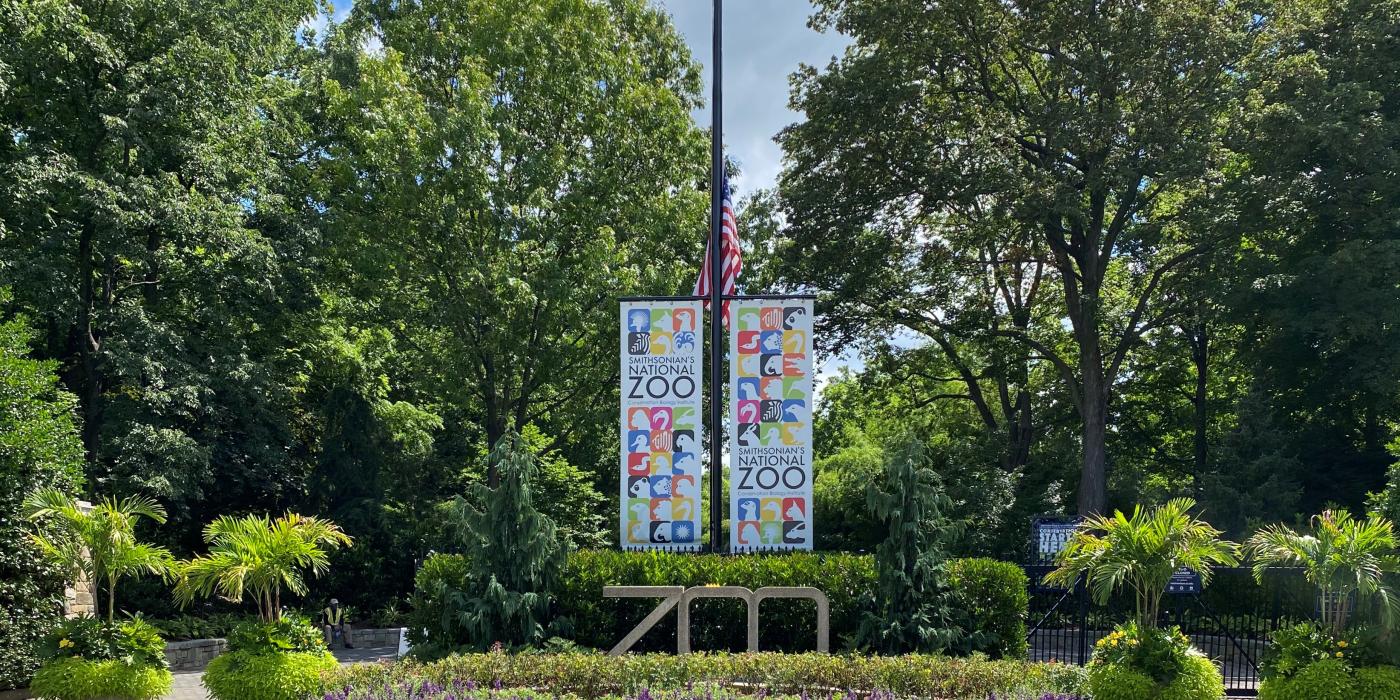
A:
[673,596]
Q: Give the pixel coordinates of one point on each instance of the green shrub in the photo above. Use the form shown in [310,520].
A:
[596,675]
[72,678]
[134,641]
[1376,683]
[1329,679]
[789,625]
[292,633]
[993,594]
[41,447]
[1197,679]
[1333,679]
[1156,653]
[183,627]
[430,616]
[245,675]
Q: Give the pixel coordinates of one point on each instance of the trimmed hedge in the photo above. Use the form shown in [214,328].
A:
[72,678]
[994,594]
[1199,679]
[1333,679]
[597,675]
[244,675]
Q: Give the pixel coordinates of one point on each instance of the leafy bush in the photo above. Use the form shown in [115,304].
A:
[597,675]
[73,678]
[1331,679]
[291,633]
[1158,654]
[430,617]
[993,596]
[1197,679]
[246,675]
[1376,683]
[41,447]
[134,641]
[788,625]
[1297,647]
[198,627]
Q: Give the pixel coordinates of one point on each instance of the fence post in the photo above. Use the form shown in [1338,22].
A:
[1082,592]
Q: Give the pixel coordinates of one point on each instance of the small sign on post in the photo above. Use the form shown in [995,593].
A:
[1184,581]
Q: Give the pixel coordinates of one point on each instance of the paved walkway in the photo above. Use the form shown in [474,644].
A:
[187,685]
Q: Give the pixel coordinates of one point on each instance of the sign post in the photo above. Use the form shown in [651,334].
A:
[716,274]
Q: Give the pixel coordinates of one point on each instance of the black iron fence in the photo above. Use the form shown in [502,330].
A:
[1230,620]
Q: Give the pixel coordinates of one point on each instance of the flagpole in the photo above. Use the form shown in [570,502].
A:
[716,283]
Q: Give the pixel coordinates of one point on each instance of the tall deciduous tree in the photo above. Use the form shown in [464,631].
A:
[146,150]
[501,172]
[1064,122]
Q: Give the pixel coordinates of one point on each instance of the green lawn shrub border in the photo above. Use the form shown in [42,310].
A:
[247,675]
[596,675]
[73,678]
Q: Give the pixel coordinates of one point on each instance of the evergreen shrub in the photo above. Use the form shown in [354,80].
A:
[247,675]
[75,678]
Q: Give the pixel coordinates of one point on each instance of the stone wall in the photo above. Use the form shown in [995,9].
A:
[195,654]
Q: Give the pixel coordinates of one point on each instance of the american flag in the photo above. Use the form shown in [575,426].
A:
[733,262]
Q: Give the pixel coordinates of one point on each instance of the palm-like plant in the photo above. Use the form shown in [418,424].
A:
[1142,552]
[260,556]
[98,543]
[1344,557]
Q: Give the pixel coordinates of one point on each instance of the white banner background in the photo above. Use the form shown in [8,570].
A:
[661,449]
[770,442]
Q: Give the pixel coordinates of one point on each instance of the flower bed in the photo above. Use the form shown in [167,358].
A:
[598,676]
[468,691]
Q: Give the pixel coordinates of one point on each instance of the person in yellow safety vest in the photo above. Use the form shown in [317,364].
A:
[333,618]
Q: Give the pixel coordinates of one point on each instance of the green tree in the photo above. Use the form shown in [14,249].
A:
[911,610]
[513,552]
[148,152]
[1030,146]
[490,192]
[1141,553]
[97,543]
[1317,149]
[1342,556]
[39,448]
[259,556]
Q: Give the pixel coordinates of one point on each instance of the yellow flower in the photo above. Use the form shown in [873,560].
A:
[1339,654]
[64,644]
[1342,644]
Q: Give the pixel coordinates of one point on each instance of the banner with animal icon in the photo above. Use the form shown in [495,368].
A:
[770,443]
[661,439]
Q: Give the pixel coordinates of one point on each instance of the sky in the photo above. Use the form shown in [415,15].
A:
[764,42]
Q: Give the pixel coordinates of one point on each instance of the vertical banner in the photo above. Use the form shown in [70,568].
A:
[661,439]
[770,443]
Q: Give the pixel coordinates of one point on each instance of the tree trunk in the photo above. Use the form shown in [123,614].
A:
[1200,356]
[88,345]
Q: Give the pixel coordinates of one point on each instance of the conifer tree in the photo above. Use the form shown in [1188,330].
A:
[911,610]
[514,552]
